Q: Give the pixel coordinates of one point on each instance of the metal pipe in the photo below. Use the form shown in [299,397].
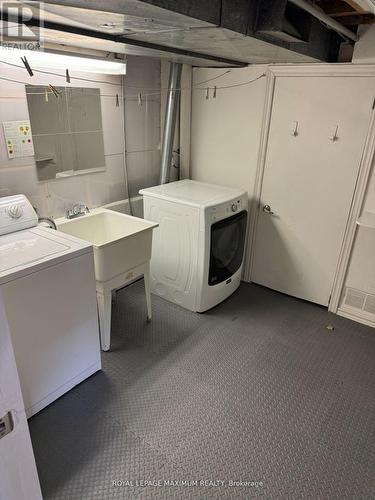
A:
[174,85]
[325,19]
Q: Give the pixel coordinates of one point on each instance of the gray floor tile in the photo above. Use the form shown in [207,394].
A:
[255,389]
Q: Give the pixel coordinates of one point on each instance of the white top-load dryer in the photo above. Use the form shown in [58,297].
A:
[48,287]
[198,247]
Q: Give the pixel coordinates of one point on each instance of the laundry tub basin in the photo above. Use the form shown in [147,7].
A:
[121,242]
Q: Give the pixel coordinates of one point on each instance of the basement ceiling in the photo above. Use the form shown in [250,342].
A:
[349,12]
[210,33]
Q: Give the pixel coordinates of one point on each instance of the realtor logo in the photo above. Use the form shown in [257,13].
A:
[21,25]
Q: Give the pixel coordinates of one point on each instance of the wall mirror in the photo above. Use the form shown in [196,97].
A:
[67,130]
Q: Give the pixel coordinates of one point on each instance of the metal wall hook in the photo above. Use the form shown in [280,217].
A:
[267,210]
[294,131]
[334,137]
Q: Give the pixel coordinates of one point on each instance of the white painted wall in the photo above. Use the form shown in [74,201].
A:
[142,131]
[142,123]
[225,131]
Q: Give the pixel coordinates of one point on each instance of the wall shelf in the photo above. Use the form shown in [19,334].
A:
[367,219]
[39,159]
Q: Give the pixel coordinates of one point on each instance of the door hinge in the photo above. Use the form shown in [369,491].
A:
[329,300]
[6,424]
[373,104]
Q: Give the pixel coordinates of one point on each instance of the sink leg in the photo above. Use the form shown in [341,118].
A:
[148,292]
[104,308]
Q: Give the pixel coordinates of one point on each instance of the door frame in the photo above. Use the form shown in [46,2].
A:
[314,70]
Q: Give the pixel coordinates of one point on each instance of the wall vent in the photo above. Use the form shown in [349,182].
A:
[359,300]
[370,304]
[354,298]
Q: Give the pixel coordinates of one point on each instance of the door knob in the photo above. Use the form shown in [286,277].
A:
[267,210]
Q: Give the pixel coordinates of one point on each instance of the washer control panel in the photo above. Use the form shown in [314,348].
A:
[16,213]
[224,210]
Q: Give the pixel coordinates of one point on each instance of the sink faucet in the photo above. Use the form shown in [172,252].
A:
[77,211]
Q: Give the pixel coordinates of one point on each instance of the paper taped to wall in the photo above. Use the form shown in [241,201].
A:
[18,139]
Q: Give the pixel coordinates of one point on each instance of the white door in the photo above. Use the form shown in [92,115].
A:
[316,139]
[18,474]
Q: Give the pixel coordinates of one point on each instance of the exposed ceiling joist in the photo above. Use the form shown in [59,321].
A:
[339,9]
[347,12]
[356,19]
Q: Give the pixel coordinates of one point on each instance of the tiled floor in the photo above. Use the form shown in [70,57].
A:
[257,389]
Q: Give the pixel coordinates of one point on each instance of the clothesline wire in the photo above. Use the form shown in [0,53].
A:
[197,86]
[59,75]
[214,78]
[141,94]
[102,81]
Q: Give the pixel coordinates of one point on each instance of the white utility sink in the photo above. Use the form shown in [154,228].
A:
[121,242]
[122,252]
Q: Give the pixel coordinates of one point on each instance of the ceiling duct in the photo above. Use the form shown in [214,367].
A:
[284,21]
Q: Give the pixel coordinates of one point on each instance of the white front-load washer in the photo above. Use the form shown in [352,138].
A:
[47,282]
[198,248]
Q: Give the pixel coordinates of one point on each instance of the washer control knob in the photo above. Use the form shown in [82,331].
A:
[15,211]
[234,207]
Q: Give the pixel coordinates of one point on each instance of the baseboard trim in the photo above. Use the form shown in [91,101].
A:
[357,315]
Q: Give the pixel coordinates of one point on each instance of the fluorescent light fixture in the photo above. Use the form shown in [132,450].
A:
[58,61]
